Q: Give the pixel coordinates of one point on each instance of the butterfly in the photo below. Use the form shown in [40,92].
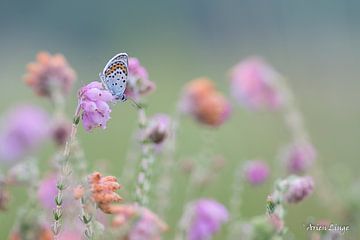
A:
[115,76]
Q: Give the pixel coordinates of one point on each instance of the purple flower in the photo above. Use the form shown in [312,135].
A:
[299,157]
[207,218]
[256,172]
[253,85]
[158,129]
[138,82]
[47,191]
[93,101]
[23,130]
[299,188]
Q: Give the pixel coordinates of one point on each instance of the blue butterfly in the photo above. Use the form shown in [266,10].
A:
[115,76]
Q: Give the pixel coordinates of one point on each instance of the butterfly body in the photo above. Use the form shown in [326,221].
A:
[115,75]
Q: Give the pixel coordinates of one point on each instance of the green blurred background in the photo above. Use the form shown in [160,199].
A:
[315,44]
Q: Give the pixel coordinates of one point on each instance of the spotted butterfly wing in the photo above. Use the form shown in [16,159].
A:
[115,74]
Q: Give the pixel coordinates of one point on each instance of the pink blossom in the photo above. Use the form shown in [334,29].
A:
[253,85]
[93,101]
[299,157]
[23,130]
[138,80]
[158,128]
[299,189]
[256,172]
[47,191]
[207,218]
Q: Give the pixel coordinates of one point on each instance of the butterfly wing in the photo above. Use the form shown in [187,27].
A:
[114,75]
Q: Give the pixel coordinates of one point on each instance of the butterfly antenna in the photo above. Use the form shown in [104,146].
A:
[135,104]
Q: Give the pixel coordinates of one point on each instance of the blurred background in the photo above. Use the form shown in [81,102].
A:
[315,44]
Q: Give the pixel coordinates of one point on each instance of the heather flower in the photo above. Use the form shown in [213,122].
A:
[207,218]
[256,172]
[158,129]
[103,191]
[253,85]
[138,80]
[60,132]
[47,191]
[299,188]
[93,101]
[143,224]
[49,73]
[23,130]
[299,157]
[204,103]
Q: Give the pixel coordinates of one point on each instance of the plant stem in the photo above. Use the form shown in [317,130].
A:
[147,160]
[65,172]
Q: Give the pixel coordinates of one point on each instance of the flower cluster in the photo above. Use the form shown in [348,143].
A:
[299,157]
[23,130]
[158,129]
[256,172]
[203,102]
[207,218]
[253,85]
[103,191]
[93,101]
[299,189]
[144,224]
[50,73]
[138,81]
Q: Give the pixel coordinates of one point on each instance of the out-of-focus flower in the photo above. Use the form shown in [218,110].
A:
[141,222]
[103,191]
[23,130]
[203,102]
[138,81]
[276,222]
[253,85]
[47,191]
[60,132]
[256,172]
[299,188]
[50,73]
[207,218]
[158,128]
[299,157]
[93,100]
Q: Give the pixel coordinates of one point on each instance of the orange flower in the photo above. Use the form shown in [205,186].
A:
[49,72]
[103,191]
[202,101]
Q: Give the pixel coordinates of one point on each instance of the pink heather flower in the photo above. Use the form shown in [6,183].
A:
[252,84]
[299,189]
[299,157]
[203,102]
[47,191]
[158,128]
[50,72]
[148,226]
[207,218]
[60,132]
[138,81]
[24,128]
[256,172]
[93,101]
